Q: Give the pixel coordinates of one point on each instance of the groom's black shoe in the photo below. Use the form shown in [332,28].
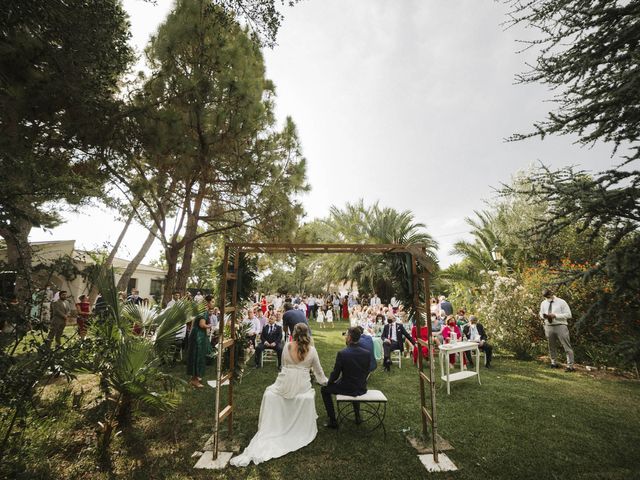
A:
[330,424]
[358,419]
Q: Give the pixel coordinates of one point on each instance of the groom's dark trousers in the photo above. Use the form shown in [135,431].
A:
[349,377]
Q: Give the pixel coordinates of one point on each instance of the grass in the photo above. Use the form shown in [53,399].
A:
[525,421]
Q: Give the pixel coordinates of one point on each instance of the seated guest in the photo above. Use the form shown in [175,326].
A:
[450,331]
[474,332]
[461,319]
[424,335]
[365,324]
[271,338]
[392,339]
[379,325]
[253,332]
[436,329]
[366,342]
[407,323]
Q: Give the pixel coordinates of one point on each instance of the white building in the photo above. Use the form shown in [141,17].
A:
[147,279]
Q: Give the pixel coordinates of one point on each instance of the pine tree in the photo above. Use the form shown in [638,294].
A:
[590,55]
[60,64]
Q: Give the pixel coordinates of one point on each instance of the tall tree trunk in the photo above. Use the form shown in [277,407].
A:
[182,275]
[133,264]
[190,233]
[171,255]
[109,260]
[19,257]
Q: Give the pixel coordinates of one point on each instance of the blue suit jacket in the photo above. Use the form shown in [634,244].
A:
[276,334]
[351,370]
[366,342]
[291,318]
[447,307]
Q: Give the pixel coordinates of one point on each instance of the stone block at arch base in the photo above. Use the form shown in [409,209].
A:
[444,463]
[206,461]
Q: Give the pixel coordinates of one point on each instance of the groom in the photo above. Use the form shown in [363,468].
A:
[349,376]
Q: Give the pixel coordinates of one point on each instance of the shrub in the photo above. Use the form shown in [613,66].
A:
[506,310]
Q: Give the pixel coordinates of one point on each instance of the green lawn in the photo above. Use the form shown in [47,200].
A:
[525,421]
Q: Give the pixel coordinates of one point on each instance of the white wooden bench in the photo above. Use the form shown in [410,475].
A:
[373,410]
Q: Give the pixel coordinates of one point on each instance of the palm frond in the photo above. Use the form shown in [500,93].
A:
[142,314]
[173,319]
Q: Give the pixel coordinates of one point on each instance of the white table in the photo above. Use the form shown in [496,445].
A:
[459,347]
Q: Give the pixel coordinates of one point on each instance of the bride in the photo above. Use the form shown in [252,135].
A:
[288,411]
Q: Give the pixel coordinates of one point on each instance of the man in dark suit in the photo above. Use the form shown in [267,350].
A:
[291,317]
[474,332]
[392,334]
[349,376]
[271,338]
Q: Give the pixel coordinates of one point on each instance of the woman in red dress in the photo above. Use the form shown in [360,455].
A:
[263,304]
[424,335]
[345,308]
[84,310]
[452,329]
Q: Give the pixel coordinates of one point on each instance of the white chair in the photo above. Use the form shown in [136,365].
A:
[481,353]
[398,354]
[268,355]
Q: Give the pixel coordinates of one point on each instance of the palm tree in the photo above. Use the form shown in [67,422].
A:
[127,364]
[462,278]
[357,223]
[478,252]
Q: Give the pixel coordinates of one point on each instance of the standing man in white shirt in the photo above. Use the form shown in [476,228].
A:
[312,307]
[556,313]
[277,302]
[375,300]
[175,297]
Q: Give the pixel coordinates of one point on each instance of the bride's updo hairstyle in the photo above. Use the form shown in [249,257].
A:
[302,338]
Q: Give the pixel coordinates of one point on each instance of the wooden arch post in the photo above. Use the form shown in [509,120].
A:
[420,277]
[423,311]
[229,275]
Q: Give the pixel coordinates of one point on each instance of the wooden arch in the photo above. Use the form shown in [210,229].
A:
[232,252]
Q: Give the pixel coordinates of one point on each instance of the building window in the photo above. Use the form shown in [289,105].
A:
[133,283]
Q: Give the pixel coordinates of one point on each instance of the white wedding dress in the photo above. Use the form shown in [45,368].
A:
[288,411]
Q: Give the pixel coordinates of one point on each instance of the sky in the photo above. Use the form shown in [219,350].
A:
[405,102]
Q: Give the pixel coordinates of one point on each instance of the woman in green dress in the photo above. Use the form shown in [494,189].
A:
[198,348]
